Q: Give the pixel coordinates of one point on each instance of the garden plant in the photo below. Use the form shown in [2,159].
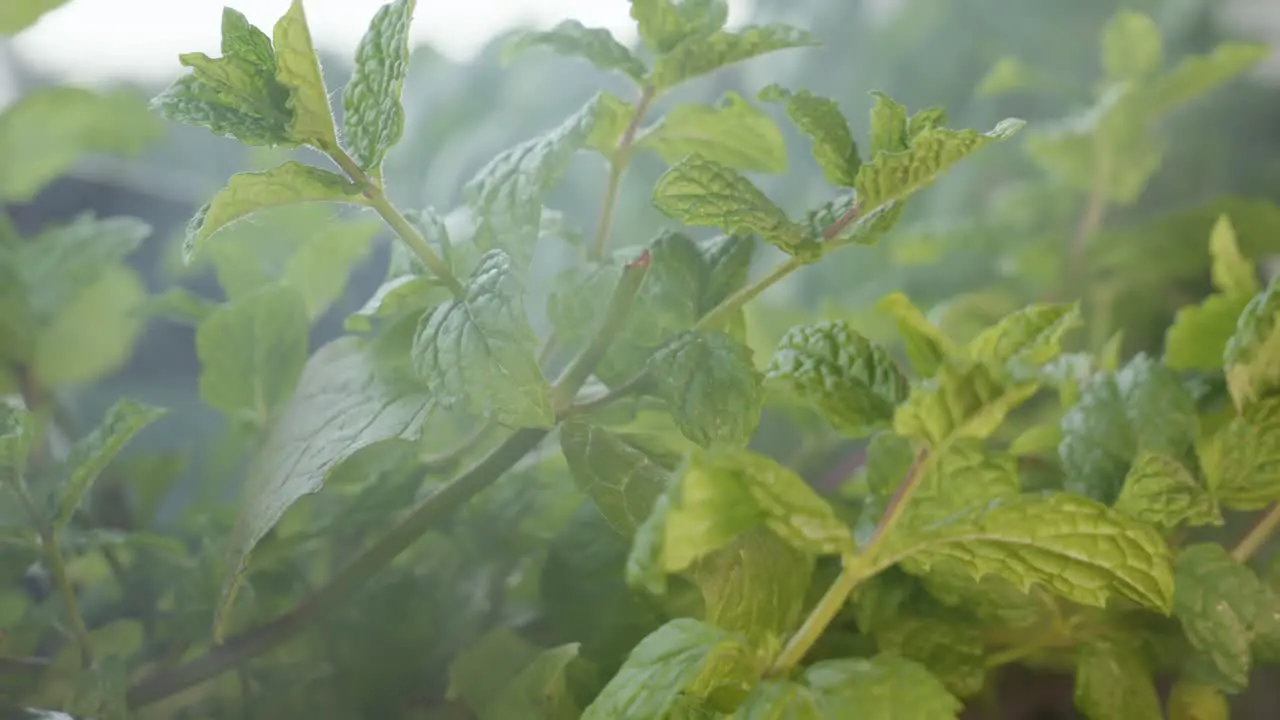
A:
[445,513]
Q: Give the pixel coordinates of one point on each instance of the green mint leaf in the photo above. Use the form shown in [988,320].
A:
[728,262]
[702,55]
[884,687]
[64,259]
[1029,337]
[991,599]
[820,119]
[69,122]
[712,386]
[926,345]
[189,101]
[1241,462]
[756,585]
[1190,700]
[780,700]
[541,690]
[246,193]
[298,70]
[1162,491]
[1118,128]
[888,125]
[573,308]
[890,176]
[1114,682]
[964,478]
[1074,546]
[236,95]
[1037,440]
[964,400]
[1007,75]
[644,422]
[1196,75]
[596,45]
[952,650]
[17,432]
[1199,334]
[671,661]
[584,596]
[90,455]
[852,381]
[92,332]
[1131,47]
[889,457]
[507,193]
[480,350]
[372,115]
[930,118]
[1252,357]
[1143,406]
[701,192]
[17,15]
[396,297]
[488,665]
[722,494]
[341,405]
[733,133]
[1233,273]
[613,116]
[319,269]
[1219,602]
[252,351]
[668,303]
[830,221]
[664,24]
[620,478]
[179,305]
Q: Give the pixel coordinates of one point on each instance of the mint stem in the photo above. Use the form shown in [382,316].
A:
[378,200]
[348,581]
[856,568]
[1258,535]
[617,168]
[720,313]
[564,390]
[49,545]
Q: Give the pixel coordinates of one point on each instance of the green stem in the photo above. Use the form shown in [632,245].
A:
[720,313]
[1258,535]
[629,387]
[1091,218]
[564,390]
[377,197]
[617,168]
[58,568]
[348,581]
[856,568]
[449,460]
[919,469]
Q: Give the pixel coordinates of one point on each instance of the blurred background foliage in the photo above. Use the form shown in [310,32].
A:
[1005,228]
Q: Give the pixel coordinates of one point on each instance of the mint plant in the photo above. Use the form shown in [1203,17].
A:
[583,513]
